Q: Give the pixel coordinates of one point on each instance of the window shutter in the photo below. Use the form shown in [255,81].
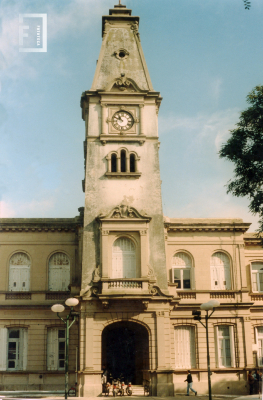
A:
[214,278]
[24,344]
[58,272]
[3,348]
[65,271]
[24,278]
[129,266]
[52,349]
[14,279]
[184,347]
[227,278]
[217,347]
[192,347]
[232,346]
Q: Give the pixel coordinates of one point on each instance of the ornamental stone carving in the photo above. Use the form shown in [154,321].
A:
[20,259]
[121,54]
[96,274]
[150,274]
[124,211]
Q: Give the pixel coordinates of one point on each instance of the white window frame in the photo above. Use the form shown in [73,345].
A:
[185,265]
[184,345]
[122,258]
[21,349]
[255,275]
[259,342]
[53,350]
[220,272]
[19,272]
[59,272]
[230,337]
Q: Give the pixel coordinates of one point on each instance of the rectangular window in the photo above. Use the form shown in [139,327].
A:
[56,349]
[257,276]
[182,277]
[184,339]
[225,346]
[259,339]
[13,349]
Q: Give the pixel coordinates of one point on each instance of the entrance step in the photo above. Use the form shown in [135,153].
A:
[137,390]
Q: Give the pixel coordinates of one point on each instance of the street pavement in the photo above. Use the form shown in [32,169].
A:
[176,397]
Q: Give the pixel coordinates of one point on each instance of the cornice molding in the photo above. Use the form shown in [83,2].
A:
[206,226]
[40,224]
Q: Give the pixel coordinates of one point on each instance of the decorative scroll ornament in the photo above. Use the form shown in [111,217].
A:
[123,83]
[90,291]
[107,26]
[153,290]
[96,274]
[151,275]
[20,259]
[124,211]
[135,28]
[59,259]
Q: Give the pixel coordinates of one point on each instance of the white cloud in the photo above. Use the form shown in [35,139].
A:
[215,126]
[31,209]
[64,20]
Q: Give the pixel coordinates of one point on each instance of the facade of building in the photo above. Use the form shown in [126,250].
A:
[138,275]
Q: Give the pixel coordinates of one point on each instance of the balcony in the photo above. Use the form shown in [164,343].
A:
[125,286]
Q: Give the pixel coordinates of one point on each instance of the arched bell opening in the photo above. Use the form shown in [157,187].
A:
[125,351]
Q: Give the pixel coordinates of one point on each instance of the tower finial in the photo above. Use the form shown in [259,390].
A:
[120,3]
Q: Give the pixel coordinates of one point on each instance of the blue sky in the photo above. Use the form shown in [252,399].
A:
[203,56]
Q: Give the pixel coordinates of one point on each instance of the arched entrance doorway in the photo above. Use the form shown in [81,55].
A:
[125,351]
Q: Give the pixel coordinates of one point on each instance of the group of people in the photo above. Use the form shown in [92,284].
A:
[254,381]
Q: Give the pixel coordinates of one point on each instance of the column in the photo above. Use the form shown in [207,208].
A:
[144,253]
[160,340]
[248,342]
[89,342]
[104,125]
[104,253]
[141,119]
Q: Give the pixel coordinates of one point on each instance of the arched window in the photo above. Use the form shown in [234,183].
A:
[58,272]
[220,271]
[113,163]
[123,258]
[257,276]
[181,270]
[132,163]
[123,161]
[19,272]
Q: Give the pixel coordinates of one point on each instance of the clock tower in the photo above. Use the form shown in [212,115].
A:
[124,280]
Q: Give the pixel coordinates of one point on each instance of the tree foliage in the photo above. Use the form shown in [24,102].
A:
[247,4]
[245,150]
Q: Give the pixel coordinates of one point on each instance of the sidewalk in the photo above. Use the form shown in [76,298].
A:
[178,396]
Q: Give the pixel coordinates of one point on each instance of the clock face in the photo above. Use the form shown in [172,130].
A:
[122,120]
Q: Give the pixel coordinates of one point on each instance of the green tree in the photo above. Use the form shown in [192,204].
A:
[247,4]
[245,149]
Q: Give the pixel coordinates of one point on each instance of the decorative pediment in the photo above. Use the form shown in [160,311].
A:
[124,211]
[123,84]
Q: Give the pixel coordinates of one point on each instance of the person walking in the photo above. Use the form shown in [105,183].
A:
[251,380]
[189,381]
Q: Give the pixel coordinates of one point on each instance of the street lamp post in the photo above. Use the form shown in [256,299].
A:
[209,306]
[71,317]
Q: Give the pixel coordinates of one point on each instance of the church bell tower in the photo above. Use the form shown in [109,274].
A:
[123,267]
